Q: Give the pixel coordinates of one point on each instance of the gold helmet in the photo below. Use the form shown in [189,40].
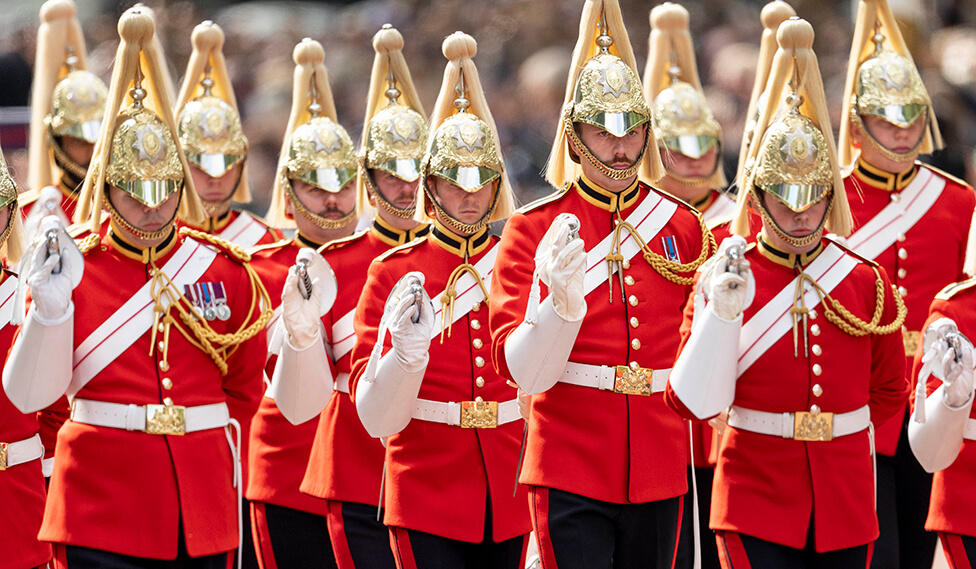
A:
[209,125]
[682,120]
[794,159]
[66,100]
[316,149]
[12,236]
[773,14]
[464,147]
[882,81]
[395,136]
[137,151]
[603,90]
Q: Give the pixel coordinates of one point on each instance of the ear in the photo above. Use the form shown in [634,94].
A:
[855,134]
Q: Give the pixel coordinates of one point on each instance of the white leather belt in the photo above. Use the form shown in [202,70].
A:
[152,419]
[804,426]
[342,383]
[619,379]
[12,454]
[970,432]
[468,414]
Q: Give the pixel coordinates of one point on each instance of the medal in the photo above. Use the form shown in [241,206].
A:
[208,310]
[220,298]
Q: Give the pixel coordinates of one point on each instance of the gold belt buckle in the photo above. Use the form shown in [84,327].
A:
[911,341]
[633,380]
[813,426]
[479,414]
[165,419]
[3,457]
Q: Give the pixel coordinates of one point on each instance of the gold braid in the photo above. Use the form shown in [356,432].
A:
[89,242]
[450,293]
[853,325]
[664,267]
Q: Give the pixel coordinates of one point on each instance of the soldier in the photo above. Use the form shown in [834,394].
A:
[21,450]
[914,221]
[796,333]
[451,424]
[346,464]
[161,332]
[605,459]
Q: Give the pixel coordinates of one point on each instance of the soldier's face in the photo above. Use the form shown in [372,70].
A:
[466,207]
[330,205]
[891,136]
[688,167]
[216,189]
[618,152]
[397,191]
[793,223]
[141,216]
[77,149]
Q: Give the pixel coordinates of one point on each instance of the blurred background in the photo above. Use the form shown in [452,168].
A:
[524,47]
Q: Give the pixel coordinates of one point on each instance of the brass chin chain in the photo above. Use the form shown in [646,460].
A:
[141,234]
[403,213]
[214,209]
[315,218]
[456,225]
[798,242]
[695,182]
[15,210]
[607,171]
[901,158]
[62,159]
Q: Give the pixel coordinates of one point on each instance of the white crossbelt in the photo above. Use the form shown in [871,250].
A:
[342,383]
[21,451]
[133,417]
[450,413]
[245,231]
[782,424]
[604,377]
[970,432]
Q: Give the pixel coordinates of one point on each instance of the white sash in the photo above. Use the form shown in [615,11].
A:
[343,336]
[7,290]
[721,211]
[898,216]
[648,218]
[135,317]
[244,231]
[774,320]
[468,291]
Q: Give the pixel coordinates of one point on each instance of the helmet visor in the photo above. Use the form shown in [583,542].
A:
[149,192]
[798,197]
[690,145]
[215,165]
[405,169]
[468,178]
[901,115]
[329,179]
[617,124]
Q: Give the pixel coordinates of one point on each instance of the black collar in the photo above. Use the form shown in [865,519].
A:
[790,260]
[393,236]
[465,247]
[605,199]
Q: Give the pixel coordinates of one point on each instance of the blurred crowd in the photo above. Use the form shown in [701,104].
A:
[524,48]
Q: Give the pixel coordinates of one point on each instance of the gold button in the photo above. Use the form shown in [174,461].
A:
[629,280]
[476,307]
[817,370]
[164,366]
[476,324]
[167,401]
[815,409]
[478,399]
[634,366]
[895,197]
[632,300]
[477,343]
[479,381]
[813,315]
[635,343]
[816,349]
[634,322]
[902,273]
[901,237]
[902,291]
[479,361]
[815,330]
[817,390]
[902,254]
[167,383]
[626,263]
[162,345]
[161,327]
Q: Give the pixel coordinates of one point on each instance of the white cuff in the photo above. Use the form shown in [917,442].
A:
[39,368]
[536,354]
[938,440]
[385,402]
[705,374]
[302,382]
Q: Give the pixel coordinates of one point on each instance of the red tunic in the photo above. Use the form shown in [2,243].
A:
[934,250]
[438,476]
[127,491]
[69,200]
[953,498]
[600,444]
[770,487]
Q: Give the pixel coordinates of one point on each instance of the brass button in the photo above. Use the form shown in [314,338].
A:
[816,349]
[167,401]
[479,361]
[634,366]
[901,237]
[902,254]
[164,366]
[629,280]
[896,197]
[812,315]
[167,383]
[161,327]
[817,370]
[632,300]
[626,263]
[478,399]
[634,322]
[479,381]
[476,324]
[817,390]
[477,343]
[902,273]
[815,329]
[902,291]
[815,409]
[162,345]
[635,343]
[476,307]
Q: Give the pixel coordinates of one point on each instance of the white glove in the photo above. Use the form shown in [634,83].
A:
[728,293]
[411,340]
[958,377]
[300,315]
[51,292]
[565,268]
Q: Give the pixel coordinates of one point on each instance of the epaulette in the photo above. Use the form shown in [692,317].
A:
[233,250]
[750,246]
[400,248]
[944,174]
[951,290]
[556,195]
[28,197]
[88,243]
[852,253]
[343,241]
[268,246]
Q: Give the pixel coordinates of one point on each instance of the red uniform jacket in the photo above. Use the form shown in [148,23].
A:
[603,445]
[953,499]
[926,258]
[69,200]
[771,487]
[439,477]
[22,486]
[127,491]
[346,464]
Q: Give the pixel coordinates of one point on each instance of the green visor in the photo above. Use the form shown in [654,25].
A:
[900,115]
[150,192]
[215,165]
[690,145]
[87,131]
[468,178]
[329,179]
[407,169]
[617,124]
[798,197]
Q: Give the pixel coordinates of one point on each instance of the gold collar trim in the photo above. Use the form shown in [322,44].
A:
[145,255]
[213,225]
[393,236]
[464,247]
[306,242]
[888,181]
[790,260]
[702,204]
[605,199]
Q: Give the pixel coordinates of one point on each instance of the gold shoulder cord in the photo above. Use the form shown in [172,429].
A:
[89,242]
[218,346]
[450,293]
